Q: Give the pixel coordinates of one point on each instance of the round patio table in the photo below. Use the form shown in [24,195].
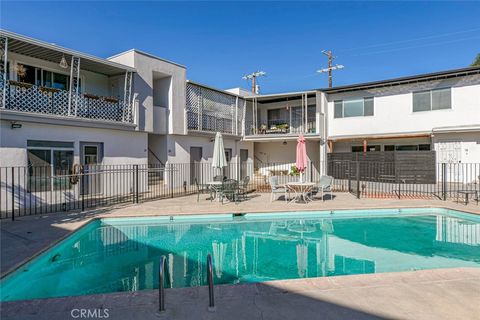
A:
[216,186]
[300,191]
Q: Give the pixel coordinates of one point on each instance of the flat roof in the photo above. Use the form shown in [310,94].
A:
[27,46]
[148,55]
[405,80]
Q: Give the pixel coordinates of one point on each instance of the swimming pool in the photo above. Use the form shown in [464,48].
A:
[122,254]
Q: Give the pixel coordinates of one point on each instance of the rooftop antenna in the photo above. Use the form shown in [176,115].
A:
[330,66]
[253,77]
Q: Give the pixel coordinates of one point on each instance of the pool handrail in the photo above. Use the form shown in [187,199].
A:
[161,286]
[211,298]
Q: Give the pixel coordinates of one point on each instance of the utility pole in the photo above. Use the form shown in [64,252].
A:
[331,67]
[253,77]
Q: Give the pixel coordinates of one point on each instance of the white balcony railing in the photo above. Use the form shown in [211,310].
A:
[36,99]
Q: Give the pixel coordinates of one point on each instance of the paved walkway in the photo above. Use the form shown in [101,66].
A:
[427,294]
[438,298]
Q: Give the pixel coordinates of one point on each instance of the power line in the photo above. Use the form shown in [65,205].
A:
[410,40]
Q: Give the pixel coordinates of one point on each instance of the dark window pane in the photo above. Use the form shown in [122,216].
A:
[39,170]
[47,79]
[389,148]
[407,148]
[60,81]
[26,73]
[49,144]
[424,147]
[421,101]
[62,163]
[373,148]
[368,107]
[357,148]
[353,108]
[441,99]
[338,112]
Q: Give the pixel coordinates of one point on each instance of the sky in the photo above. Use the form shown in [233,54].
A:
[219,42]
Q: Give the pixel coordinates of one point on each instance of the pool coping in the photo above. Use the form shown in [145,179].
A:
[107,215]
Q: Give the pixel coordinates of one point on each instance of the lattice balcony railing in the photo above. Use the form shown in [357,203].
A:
[35,99]
[210,110]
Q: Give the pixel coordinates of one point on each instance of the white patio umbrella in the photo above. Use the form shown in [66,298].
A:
[219,160]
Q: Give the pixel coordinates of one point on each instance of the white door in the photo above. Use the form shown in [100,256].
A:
[451,152]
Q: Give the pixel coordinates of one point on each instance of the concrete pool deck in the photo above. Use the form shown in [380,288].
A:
[417,293]
[427,294]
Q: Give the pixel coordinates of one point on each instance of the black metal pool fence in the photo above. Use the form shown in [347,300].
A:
[38,190]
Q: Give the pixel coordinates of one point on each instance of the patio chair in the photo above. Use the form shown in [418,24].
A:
[202,189]
[325,185]
[276,188]
[229,190]
[243,188]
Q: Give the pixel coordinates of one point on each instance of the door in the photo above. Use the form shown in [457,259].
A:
[91,155]
[450,152]
[196,154]
[243,163]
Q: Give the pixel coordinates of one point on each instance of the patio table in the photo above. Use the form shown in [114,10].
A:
[301,190]
[466,194]
[216,186]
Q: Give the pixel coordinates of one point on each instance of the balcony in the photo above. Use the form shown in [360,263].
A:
[210,110]
[281,115]
[26,97]
[39,78]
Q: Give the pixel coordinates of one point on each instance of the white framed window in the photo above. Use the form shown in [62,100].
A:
[428,100]
[49,163]
[353,108]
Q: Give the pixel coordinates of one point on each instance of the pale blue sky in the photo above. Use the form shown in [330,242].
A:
[221,41]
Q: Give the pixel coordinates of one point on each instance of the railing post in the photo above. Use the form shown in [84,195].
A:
[161,285]
[13,194]
[170,180]
[136,184]
[211,297]
[82,188]
[358,179]
[444,181]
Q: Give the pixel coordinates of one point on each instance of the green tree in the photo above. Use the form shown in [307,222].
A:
[476,62]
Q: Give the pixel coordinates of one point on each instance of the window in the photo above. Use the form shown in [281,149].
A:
[369,148]
[432,100]
[49,162]
[38,76]
[413,147]
[353,108]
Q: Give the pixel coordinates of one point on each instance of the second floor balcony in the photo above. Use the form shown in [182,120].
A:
[41,79]
[274,116]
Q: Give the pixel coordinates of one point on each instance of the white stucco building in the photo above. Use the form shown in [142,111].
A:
[61,107]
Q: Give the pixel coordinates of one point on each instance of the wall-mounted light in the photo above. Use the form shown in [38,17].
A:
[15,125]
[284,142]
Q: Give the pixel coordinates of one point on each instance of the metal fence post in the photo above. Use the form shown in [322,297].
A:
[358,179]
[13,194]
[444,181]
[135,200]
[82,188]
[171,180]
[397,176]
[349,176]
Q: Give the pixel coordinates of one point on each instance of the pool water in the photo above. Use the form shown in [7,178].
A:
[122,254]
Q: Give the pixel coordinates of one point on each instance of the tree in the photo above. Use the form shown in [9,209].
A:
[476,62]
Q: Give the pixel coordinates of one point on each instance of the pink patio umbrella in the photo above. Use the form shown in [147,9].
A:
[301,161]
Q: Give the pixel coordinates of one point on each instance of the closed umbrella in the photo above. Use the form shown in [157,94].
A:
[219,160]
[301,158]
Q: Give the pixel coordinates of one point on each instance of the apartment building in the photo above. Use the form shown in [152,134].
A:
[61,107]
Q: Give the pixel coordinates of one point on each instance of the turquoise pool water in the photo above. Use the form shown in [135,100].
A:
[122,254]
